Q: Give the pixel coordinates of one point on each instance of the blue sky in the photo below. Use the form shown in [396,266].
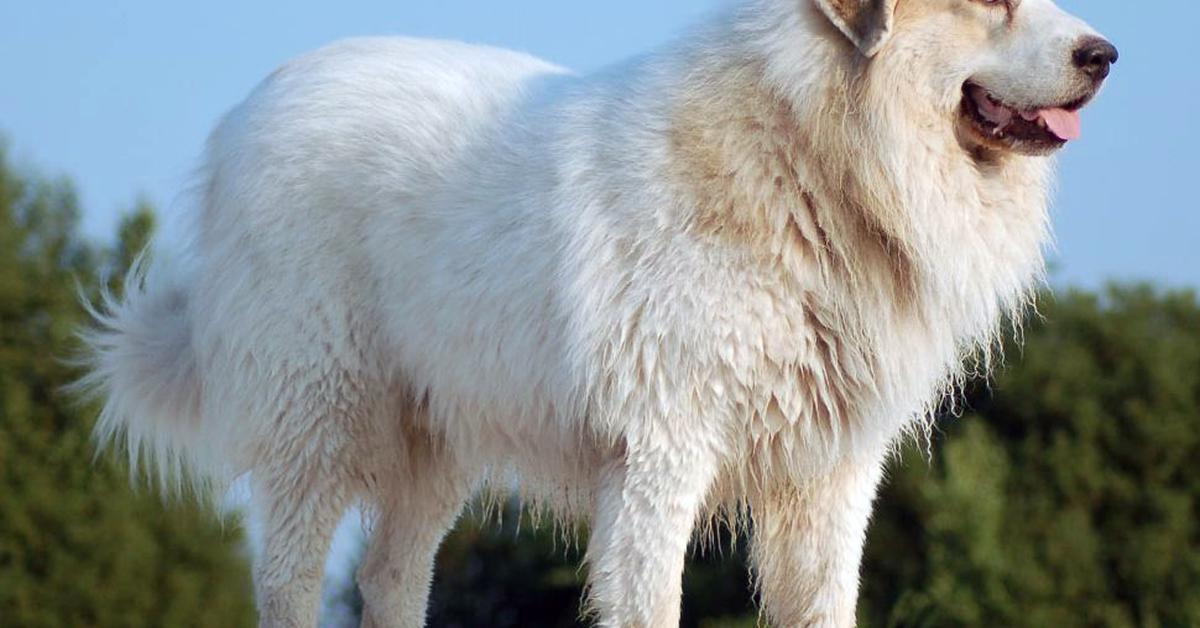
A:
[120,95]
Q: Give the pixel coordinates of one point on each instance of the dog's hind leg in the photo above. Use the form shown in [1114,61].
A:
[646,506]
[414,507]
[298,511]
[304,476]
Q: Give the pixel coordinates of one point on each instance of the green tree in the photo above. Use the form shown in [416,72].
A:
[1068,496]
[78,547]
[513,572]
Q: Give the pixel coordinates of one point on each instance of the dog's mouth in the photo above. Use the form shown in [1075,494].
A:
[990,123]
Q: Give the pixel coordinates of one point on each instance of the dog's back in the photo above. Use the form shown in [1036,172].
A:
[393,112]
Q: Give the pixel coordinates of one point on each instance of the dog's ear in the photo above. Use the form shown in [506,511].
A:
[867,23]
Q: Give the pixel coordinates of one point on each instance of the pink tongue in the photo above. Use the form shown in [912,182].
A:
[1065,124]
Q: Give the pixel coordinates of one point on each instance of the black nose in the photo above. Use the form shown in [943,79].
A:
[1095,57]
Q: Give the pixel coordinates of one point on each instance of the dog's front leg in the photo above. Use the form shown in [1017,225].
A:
[808,543]
[646,504]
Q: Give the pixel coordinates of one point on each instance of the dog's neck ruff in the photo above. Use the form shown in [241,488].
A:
[828,167]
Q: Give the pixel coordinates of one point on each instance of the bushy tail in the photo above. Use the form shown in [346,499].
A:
[140,361]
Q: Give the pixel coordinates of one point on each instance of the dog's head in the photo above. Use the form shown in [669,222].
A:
[1008,75]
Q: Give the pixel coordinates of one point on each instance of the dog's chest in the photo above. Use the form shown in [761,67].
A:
[800,354]
[777,357]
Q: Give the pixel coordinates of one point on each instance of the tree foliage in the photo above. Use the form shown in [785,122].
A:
[78,546]
[1068,495]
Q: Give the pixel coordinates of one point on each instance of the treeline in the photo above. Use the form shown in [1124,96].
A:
[1065,495]
[78,546]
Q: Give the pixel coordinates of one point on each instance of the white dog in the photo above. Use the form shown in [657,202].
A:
[723,278]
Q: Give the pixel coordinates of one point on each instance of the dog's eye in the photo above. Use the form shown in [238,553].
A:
[1007,5]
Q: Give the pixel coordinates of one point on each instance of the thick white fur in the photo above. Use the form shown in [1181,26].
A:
[726,277]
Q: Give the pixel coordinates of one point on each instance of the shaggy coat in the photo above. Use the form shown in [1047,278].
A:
[723,278]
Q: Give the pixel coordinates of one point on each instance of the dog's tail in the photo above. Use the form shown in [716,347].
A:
[140,361]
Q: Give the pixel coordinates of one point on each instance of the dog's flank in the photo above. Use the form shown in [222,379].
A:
[723,279]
